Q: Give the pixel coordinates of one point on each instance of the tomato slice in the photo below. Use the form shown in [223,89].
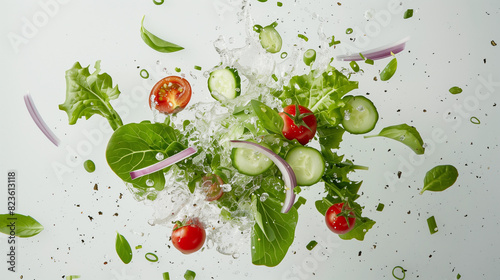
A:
[170,95]
[211,185]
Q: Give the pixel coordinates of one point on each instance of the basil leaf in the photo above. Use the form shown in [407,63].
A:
[440,178]
[270,119]
[389,70]
[405,134]
[21,225]
[123,248]
[135,146]
[89,94]
[156,43]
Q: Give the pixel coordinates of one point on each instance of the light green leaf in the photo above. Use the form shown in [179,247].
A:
[405,134]
[123,248]
[21,225]
[271,120]
[157,43]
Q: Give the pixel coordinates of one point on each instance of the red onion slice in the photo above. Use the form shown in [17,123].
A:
[377,53]
[37,118]
[164,163]
[283,166]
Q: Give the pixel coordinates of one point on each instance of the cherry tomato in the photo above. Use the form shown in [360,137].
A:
[170,95]
[299,123]
[189,237]
[336,221]
[211,185]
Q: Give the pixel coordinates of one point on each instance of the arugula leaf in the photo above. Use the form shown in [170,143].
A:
[440,178]
[135,146]
[362,226]
[123,248]
[270,119]
[405,134]
[156,43]
[25,226]
[89,94]
[321,92]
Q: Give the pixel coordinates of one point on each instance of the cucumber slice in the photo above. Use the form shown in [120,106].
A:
[307,164]
[360,115]
[270,39]
[224,84]
[250,162]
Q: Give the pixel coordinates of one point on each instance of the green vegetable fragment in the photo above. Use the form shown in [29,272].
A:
[123,248]
[348,31]
[158,2]
[369,61]
[431,222]
[303,37]
[89,166]
[309,57]
[156,43]
[455,90]
[354,66]
[300,201]
[26,226]
[144,74]
[459,276]
[189,275]
[196,67]
[408,14]
[270,119]
[380,207]
[475,120]
[70,277]
[440,178]
[166,276]
[311,245]
[405,134]
[389,70]
[90,94]
[151,257]
[403,271]
[269,38]
[333,42]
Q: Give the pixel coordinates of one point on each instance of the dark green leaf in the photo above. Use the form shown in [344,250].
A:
[156,43]
[440,178]
[361,227]
[21,225]
[405,134]
[123,248]
[270,119]
[408,13]
[89,94]
[389,70]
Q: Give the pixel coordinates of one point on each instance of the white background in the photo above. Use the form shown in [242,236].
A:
[450,46]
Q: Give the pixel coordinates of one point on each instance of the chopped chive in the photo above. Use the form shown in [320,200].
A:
[475,120]
[274,24]
[284,55]
[300,201]
[279,4]
[257,28]
[380,207]
[333,42]
[402,271]
[459,276]
[303,37]
[362,56]
[309,57]
[166,276]
[431,222]
[189,275]
[70,277]
[354,65]
[274,77]
[408,14]
[369,61]
[144,74]
[262,1]
[348,31]
[311,245]
[158,2]
[151,257]
[138,247]
[196,67]
[89,166]
[177,69]
[455,90]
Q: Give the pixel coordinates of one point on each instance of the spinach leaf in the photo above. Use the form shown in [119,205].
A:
[405,134]
[89,94]
[321,92]
[123,248]
[440,178]
[135,146]
[389,70]
[362,225]
[270,119]
[156,43]
[24,226]
[273,232]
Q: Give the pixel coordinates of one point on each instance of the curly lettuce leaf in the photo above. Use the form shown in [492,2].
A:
[320,92]
[89,94]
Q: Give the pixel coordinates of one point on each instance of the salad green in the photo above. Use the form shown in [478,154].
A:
[25,226]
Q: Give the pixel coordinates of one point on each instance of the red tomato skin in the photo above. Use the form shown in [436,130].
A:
[301,133]
[189,238]
[338,224]
[170,95]
[211,186]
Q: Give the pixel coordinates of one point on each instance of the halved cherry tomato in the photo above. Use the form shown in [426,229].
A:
[170,95]
[299,123]
[340,218]
[211,186]
[188,237]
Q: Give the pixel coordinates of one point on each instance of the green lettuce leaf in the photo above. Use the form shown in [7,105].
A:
[320,92]
[89,94]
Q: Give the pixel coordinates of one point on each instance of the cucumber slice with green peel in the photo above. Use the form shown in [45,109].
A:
[307,164]
[224,84]
[270,39]
[359,114]
[250,162]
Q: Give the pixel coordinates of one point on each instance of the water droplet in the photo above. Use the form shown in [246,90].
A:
[236,255]
[160,156]
[402,138]
[264,196]
[360,108]
[226,187]
[347,115]
[149,182]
